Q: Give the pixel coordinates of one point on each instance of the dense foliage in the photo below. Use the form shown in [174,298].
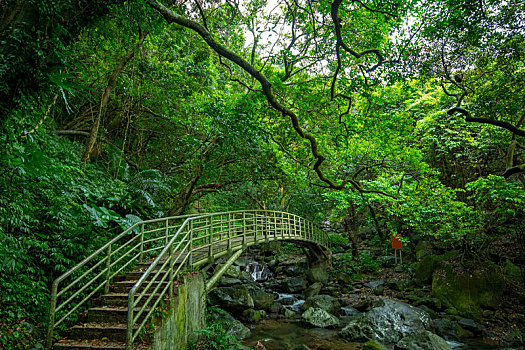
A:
[401,117]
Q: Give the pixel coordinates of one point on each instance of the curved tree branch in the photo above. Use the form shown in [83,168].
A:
[469,118]
[172,17]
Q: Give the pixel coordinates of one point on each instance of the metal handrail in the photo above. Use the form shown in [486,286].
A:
[202,239]
[184,241]
[108,261]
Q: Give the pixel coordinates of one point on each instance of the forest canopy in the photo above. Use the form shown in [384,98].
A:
[402,116]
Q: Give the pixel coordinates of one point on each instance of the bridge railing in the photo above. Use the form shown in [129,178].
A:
[76,287]
[202,239]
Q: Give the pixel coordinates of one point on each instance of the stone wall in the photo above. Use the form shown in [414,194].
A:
[187,315]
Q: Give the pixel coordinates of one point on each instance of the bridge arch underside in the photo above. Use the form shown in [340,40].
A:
[318,257]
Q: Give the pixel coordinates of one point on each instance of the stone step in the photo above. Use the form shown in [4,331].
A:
[88,345]
[112,314]
[121,299]
[111,332]
[125,286]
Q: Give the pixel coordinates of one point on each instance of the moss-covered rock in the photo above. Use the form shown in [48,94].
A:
[423,248]
[425,269]
[318,317]
[373,345]
[423,341]
[468,291]
[513,274]
[252,315]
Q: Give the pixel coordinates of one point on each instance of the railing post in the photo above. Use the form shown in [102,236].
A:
[210,223]
[244,230]
[51,320]
[229,234]
[190,248]
[129,330]
[171,274]
[108,270]
[141,254]
[166,238]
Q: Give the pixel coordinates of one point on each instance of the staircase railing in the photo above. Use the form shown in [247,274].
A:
[205,238]
[80,284]
[180,242]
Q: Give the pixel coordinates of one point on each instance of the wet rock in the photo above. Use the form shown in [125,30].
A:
[232,326]
[325,302]
[262,300]
[388,323]
[446,328]
[294,284]
[374,284]
[276,308]
[289,313]
[235,298]
[226,282]
[258,272]
[318,271]
[373,345]
[313,289]
[433,303]
[468,292]
[287,299]
[400,285]
[468,324]
[422,341]
[297,270]
[252,315]
[363,305]
[349,311]
[318,317]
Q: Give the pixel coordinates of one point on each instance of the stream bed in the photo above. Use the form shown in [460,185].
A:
[285,334]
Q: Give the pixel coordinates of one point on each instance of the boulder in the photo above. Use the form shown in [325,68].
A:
[252,315]
[446,328]
[373,345]
[513,274]
[318,317]
[399,285]
[425,269]
[226,282]
[313,289]
[468,291]
[325,302]
[423,341]
[235,298]
[294,284]
[318,271]
[388,323]
[262,300]
[423,248]
[230,324]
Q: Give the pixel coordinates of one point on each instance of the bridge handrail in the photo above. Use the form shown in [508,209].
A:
[234,229]
[104,260]
[178,236]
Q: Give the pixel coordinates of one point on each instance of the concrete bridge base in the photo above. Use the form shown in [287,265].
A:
[186,315]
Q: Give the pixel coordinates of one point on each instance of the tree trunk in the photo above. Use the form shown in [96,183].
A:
[106,95]
[351,224]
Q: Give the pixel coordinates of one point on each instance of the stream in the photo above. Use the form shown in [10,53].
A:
[283,329]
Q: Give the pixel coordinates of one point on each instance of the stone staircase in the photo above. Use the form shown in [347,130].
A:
[105,324]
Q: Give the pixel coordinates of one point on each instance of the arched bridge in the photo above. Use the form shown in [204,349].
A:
[156,252]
